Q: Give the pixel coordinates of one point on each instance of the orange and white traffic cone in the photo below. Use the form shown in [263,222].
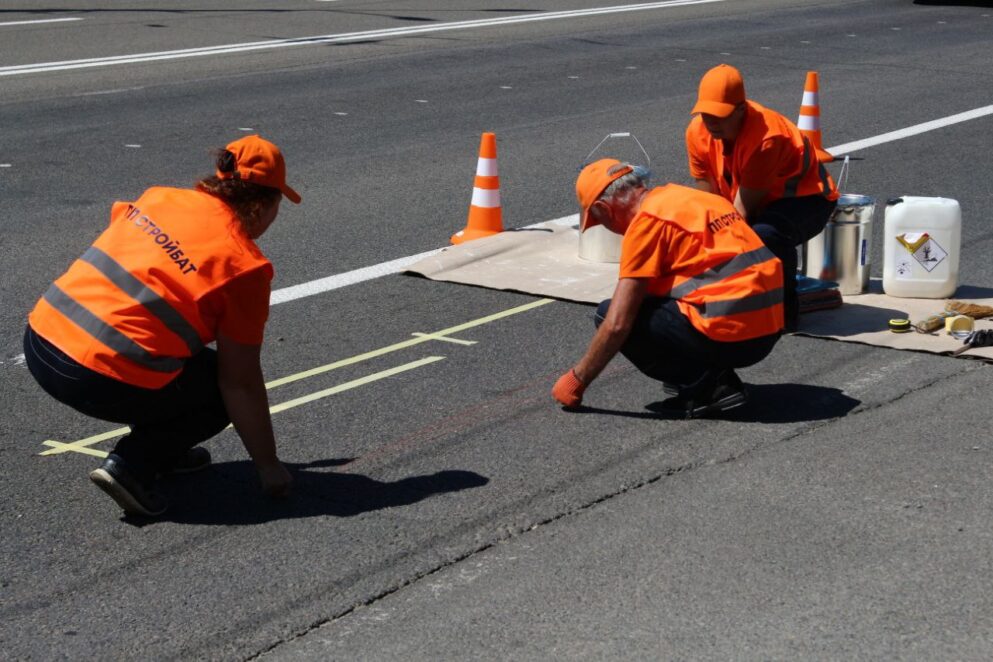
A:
[485,213]
[809,121]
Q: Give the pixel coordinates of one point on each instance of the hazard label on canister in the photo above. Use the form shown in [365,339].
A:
[928,253]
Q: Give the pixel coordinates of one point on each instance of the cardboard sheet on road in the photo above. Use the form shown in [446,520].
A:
[543,260]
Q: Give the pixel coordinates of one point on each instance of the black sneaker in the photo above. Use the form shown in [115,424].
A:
[126,489]
[195,459]
[716,392]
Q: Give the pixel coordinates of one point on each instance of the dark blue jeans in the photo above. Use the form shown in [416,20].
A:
[164,422]
[665,346]
[784,225]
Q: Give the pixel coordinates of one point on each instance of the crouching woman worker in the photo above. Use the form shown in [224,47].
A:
[121,336]
[698,293]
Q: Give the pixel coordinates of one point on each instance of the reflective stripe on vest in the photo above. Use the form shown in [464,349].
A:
[107,334]
[791,185]
[733,266]
[134,288]
[825,178]
[747,304]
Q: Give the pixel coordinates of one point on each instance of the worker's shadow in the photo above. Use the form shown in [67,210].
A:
[767,403]
[228,493]
[785,403]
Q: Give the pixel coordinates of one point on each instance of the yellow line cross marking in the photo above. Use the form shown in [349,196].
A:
[83,445]
[435,336]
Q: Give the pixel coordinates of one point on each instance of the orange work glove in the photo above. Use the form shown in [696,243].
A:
[569,390]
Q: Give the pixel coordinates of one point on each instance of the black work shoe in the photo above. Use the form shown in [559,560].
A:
[195,459]
[130,493]
[717,392]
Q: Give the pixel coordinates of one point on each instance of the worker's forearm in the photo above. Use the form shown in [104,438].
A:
[248,408]
[606,343]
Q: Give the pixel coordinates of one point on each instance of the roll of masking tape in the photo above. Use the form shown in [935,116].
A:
[959,325]
[900,326]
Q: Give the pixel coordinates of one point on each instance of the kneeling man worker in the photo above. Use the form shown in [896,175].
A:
[760,161]
[698,293]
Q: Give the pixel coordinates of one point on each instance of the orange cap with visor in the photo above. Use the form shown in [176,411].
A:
[721,90]
[260,162]
[592,182]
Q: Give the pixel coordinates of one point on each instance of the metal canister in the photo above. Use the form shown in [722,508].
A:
[842,252]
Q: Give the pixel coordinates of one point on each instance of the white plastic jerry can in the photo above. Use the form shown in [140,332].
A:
[922,238]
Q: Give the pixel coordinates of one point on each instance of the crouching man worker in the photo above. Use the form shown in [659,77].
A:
[121,336]
[758,160]
[698,293]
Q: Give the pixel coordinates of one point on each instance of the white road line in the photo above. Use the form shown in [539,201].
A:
[348,278]
[394,266]
[911,131]
[40,20]
[322,285]
[342,38]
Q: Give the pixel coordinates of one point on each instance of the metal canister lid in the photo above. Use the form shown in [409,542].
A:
[855,200]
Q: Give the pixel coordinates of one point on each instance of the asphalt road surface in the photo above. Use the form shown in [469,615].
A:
[445,507]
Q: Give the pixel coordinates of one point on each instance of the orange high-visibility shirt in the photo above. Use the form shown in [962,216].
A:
[171,271]
[696,248]
[769,154]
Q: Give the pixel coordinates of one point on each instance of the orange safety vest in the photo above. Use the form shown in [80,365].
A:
[724,279]
[128,308]
[799,173]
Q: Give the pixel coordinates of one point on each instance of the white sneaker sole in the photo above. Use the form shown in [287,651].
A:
[106,482]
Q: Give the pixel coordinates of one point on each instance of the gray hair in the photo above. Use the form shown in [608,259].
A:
[620,187]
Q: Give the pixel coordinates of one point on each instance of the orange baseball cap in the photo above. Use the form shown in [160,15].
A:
[721,90]
[592,182]
[259,161]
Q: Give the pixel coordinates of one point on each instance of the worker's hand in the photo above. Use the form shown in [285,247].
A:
[276,480]
[569,390]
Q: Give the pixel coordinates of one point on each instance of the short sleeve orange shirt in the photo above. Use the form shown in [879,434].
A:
[767,153]
[653,247]
[239,309]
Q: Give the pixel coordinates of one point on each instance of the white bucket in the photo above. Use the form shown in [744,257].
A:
[922,238]
[598,244]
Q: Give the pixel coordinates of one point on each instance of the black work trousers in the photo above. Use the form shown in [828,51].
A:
[164,422]
[784,225]
[664,345]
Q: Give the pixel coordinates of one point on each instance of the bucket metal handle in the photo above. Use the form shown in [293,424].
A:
[843,175]
[619,134]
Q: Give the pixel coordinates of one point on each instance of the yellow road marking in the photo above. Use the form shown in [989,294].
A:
[75,447]
[59,447]
[296,402]
[406,343]
[435,336]
[83,445]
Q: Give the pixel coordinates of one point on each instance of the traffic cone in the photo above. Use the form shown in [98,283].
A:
[809,121]
[485,214]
